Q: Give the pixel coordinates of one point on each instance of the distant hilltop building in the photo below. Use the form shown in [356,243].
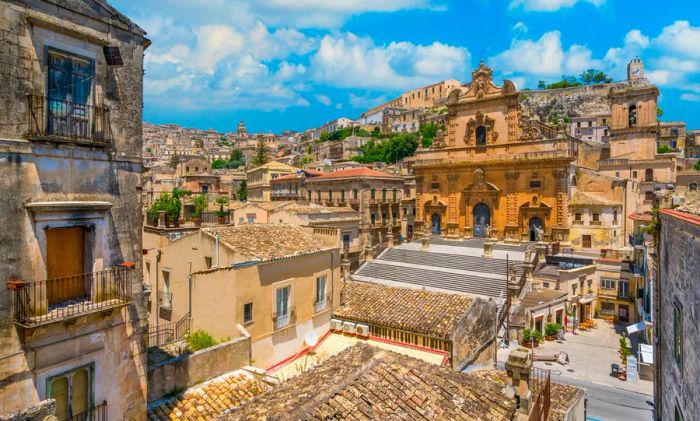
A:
[241,132]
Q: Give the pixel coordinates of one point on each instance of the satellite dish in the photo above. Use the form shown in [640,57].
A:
[311,338]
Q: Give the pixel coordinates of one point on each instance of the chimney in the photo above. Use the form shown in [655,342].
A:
[518,368]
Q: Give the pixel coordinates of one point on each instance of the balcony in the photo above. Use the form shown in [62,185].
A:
[42,302]
[96,413]
[596,223]
[281,321]
[66,121]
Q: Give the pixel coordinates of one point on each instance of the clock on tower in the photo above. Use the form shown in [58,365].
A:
[635,69]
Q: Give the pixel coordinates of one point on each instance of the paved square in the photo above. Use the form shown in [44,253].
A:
[591,354]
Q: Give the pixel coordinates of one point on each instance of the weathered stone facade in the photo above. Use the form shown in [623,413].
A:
[71,164]
[676,387]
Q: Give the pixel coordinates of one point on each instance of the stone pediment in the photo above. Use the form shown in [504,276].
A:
[480,184]
[535,203]
[481,87]
[436,203]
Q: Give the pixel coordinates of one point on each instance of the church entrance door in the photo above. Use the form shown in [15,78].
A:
[535,226]
[482,220]
[437,222]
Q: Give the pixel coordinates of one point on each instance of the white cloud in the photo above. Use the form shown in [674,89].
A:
[349,61]
[323,99]
[364,102]
[544,57]
[519,29]
[214,43]
[636,37]
[680,38]
[690,97]
[549,5]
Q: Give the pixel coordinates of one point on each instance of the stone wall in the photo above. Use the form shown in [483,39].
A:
[678,285]
[191,369]
[42,411]
[472,340]
[577,101]
[73,178]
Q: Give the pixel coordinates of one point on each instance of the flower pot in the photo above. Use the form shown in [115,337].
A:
[222,220]
[197,222]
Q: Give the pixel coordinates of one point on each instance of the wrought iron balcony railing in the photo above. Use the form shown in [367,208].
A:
[68,121]
[96,413]
[285,319]
[41,302]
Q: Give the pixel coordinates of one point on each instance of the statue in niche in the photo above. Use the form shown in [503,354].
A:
[539,233]
[439,141]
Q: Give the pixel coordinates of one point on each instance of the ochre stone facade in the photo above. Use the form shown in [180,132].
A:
[495,172]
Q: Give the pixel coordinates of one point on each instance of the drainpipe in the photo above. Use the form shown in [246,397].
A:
[158,255]
[189,286]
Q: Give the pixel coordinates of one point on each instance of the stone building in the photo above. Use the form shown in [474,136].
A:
[596,221]
[73,313]
[672,134]
[376,195]
[593,128]
[495,172]
[291,186]
[676,304]
[259,178]
[280,282]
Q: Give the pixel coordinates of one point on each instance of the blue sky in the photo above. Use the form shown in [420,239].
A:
[294,64]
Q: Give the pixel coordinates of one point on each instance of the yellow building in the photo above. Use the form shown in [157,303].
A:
[495,172]
[259,179]
[279,282]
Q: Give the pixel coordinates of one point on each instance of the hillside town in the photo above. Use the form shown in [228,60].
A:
[466,250]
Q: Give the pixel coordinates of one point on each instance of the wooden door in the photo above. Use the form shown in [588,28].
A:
[586,241]
[64,260]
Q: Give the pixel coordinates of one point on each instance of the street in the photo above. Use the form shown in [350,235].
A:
[606,403]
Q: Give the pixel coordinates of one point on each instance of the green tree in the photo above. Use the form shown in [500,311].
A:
[174,160]
[260,157]
[663,149]
[242,191]
[325,136]
[696,167]
[394,149]
[659,111]
[593,77]
[565,82]
[428,132]
[541,85]
[200,203]
[218,164]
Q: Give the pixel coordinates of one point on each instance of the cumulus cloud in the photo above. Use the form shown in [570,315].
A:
[680,38]
[690,97]
[349,61]
[323,99]
[550,5]
[544,57]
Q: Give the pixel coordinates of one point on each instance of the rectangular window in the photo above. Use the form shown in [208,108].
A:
[614,217]
[535,184]
[346,241]
[282,307]
[251,218]
[596,217]
[342,195]
[383,195]
[372,194]
[649,195]
[607,308]
[147,273]
[435,186]
[678,334]
[354,193]
[318,195]
[320,301]
[240,220]
[394,194]
[577,216]
[330,194]
[73,393]
[69,90]
[247,313]
[607,283]
[623,290]
[207,261]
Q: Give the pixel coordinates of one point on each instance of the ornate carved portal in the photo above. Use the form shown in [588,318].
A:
[480,130]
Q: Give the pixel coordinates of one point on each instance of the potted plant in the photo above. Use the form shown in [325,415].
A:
[531,338]
[222,213]
[200,205]
[551,330]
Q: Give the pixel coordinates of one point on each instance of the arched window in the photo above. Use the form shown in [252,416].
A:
[649,174]
[693,186]
[480,136]
[632,115]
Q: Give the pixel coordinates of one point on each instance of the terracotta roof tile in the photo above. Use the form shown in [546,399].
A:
[589,199]
[414,310]
[271,241]
[355,172]
[207,400]
[364,382]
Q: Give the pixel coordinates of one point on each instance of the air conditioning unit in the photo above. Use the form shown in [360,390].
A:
[362,330]
[348,327]
[336,324]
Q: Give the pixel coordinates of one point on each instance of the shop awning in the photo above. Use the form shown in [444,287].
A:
[637,327]
[646,353]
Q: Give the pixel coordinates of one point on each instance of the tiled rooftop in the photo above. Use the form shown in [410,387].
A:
[207,400]
[414,310]
[589,199]
[271,241]
[356,173]
[364,382]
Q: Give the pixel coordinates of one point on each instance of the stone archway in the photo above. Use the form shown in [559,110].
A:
[482,220]
[535,225]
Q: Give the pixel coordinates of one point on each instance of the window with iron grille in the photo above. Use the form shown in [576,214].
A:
[247,313]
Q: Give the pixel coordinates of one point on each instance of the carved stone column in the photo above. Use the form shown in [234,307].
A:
[452,206]
[512,233]
[562,198]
